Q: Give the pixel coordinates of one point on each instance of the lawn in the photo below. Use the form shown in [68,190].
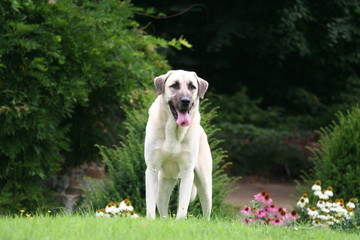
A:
[88,227]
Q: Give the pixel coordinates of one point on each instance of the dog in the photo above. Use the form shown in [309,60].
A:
[176,146]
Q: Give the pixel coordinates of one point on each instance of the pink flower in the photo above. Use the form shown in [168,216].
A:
[266,213]
[268,221]
[277,222]
[260,214]
[281,213]
[282,209]
[292,215]
[270,209]
[246,210]
[248,220]
[267,200]
[260,196]
[263,197]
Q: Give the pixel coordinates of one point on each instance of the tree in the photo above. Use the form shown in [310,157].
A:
[65,69]
[300,55]
[279,69]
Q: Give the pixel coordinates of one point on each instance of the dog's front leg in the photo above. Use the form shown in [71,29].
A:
[186,183]
[151,182]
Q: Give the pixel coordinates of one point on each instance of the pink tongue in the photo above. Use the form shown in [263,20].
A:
[183,119]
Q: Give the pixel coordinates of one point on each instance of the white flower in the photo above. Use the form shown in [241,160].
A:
[318,193]
[100,213]
[331,221]
[312,212]
[350,205]
[126,206]
[320,204]
[110,208]
[325,209]
[334,208]
[323,196]
[123,206]
[329,204]
[130,208]
[329,192]
[316,186]
[341,212]
[116,209]
[346,215]
[302,202]
[317,223]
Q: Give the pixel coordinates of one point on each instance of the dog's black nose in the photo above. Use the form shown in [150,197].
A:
[185,101]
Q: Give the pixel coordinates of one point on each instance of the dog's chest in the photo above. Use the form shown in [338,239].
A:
[173,145]
[178,145]
[175,158]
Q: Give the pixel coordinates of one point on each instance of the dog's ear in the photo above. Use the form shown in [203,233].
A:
[159,82]
[203,86]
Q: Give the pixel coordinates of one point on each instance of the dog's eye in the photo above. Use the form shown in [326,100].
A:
[191,86]
[176,86]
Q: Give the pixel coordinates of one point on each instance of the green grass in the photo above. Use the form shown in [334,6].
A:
[88,227]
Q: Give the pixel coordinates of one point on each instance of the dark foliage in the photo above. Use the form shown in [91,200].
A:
[301,55]
[65,68]
[299,61]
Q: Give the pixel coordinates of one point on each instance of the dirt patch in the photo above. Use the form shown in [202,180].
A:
[283,194]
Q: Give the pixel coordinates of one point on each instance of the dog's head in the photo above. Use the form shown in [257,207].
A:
[181,90]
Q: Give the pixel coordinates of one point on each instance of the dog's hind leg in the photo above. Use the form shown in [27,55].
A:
[204,188]
[166,185]
[203,176]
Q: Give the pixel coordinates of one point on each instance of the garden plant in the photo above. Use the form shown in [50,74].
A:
[262,211]
[337,158]
[322,209]
[66,67]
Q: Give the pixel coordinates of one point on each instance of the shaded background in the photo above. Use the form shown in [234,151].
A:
[278,70]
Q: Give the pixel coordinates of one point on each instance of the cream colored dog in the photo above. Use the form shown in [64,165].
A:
[176,146]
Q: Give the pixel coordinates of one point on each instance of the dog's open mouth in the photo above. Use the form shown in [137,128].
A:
[182,117]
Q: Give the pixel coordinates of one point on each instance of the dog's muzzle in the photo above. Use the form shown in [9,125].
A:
[182,112]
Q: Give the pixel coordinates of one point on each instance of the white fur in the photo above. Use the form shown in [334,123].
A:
[173,152]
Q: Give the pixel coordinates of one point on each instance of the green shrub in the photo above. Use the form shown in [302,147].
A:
[65,68]
[337,160]
[126,164]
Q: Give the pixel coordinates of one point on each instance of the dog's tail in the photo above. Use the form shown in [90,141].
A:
[193,193]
